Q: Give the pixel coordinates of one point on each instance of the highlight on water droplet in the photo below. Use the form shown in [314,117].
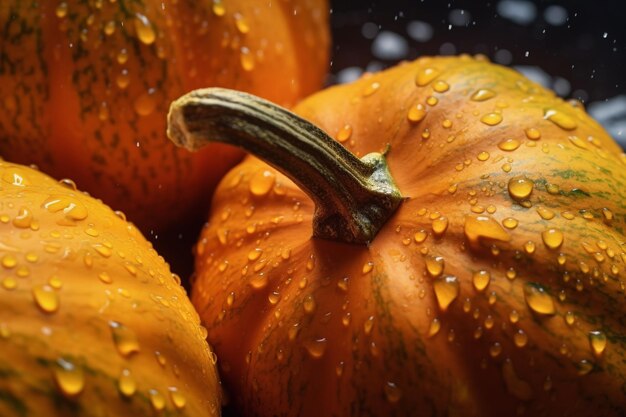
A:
[69,377]
[538,299]
[446,290]
[124,338]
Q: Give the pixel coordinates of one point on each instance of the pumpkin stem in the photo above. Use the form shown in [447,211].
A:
[353,197]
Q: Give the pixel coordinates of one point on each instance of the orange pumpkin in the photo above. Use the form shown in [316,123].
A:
[92,321]
[85,88]
[495,286]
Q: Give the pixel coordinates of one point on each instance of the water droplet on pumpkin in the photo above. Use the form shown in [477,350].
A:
[344,133]
[520,187]
[316,347]
[441,86]
[491,119]
[440,225]
[145,104]
[368,325]
[514,385]
[69,377]
[143,28]
[242,24]
[552,238]
[584,367]
[157,400]
[514,316]
[482,94]
[432,101]
[392,392]
[446,290]
[481,279]
[533,133]
[520,338]
[178,399]
[484,227]
[126,383]
[24,218]
[367,267]
[309,304]
[417,113]
[560,119]
[73,209]
[371,88]
[9,261]
[218,8]
[597,341]
[262,182]
[46,298]
[434,265]
[510,223]
[435,326]
[483,156]
[246,59]
[538,299]
[425,76]
[124,338]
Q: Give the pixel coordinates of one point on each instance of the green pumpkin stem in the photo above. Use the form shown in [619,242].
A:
[353,197]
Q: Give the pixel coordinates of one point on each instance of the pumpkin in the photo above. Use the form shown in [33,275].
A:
[470,263]
[92,321]
[85,88]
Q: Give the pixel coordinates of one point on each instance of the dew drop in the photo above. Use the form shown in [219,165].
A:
[520,187]
[538,299]
[510,223]
[246,59]
[425,76]
[124,338]
[143,28]
[552,238]
[440,225]
[491,119]
[509,145]
[597,341]
[309,304]
[218,8]
[435,326]
[441,86]
[242,24]
[344,133]
[70,378]
[262,182]
[46,298]
[520,338]
[392,392]
[434,265]
[177,398]
[145,104]
[533,133]
[560,119]
[157,400]
[417,113]
[481,279]
[126,383]
[482,94]
[484,227]
[316,347]
[446,290]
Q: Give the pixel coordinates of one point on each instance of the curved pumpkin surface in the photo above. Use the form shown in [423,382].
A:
[85,88]
[92,323]
[496,288]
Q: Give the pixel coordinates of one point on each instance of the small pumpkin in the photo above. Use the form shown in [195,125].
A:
[92,321]
[471,263]
[85,88]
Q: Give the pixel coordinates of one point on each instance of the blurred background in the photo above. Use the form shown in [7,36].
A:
[575,47]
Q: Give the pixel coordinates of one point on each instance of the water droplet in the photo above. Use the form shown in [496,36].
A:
[520,187]
[24,218]
[538,299]
[126,383]
[344,133]
[545,213]
[425,76]
[242,24]
[510,223]
[371,88]
[560,119]
[218,8]
[367,267]
[9,261]
[520,338]
[533,133]
[309,304]
[417,113]
[481,279]
[124,338]
[392,392]
[552,238]
[584,367]
[515,386]
[597,341]
[446,290]
[483,156]
[246,59]
[46,298]
[368,325]
[509,145]
[440,225]
[316,347]
[491,119]
[435,326]
[262,182]
[514,316]
[484,227]
[145,31]
[157,400]
[482,94]
[145,104]
[432,101]
[70,378]
[434,265]
[177,398]
[441,86]
[420,236]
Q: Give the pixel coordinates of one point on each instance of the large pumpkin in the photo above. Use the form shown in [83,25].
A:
[92,322]
[85,87]
[494,286]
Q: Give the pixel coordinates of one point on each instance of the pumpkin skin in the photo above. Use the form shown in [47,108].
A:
[85,88]
[92,322]
[497,288]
